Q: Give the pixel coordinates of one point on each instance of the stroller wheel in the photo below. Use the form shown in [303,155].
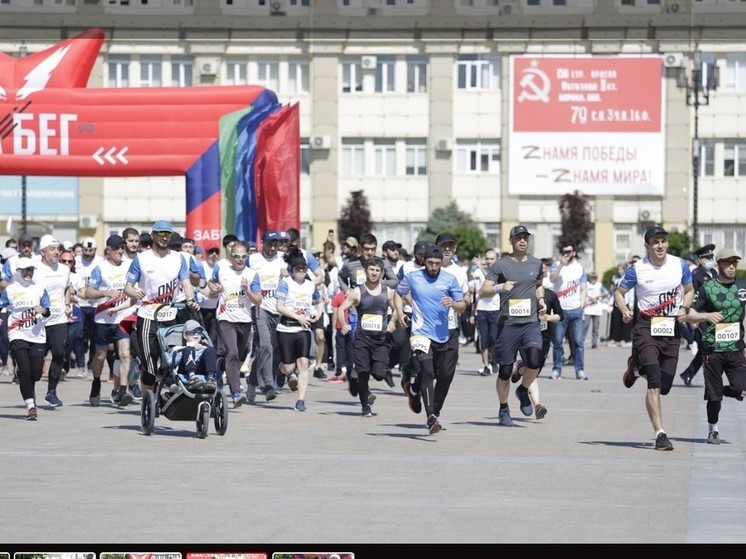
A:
[147,412]
[220,412]
[203,419]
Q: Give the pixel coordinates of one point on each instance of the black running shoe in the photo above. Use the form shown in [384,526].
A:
[433,425]
[662,442]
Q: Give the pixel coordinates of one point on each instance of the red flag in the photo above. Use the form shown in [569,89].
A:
[277,171]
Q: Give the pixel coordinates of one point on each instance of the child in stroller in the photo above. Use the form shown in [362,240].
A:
[195,362]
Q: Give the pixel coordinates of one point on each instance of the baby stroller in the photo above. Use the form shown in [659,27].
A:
[171,396]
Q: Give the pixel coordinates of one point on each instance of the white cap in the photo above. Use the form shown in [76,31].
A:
[46,241]
[24,263]
[67,245]
[89,242]
[8,252]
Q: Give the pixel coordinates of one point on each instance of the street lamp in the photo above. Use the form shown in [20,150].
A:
[697,95]
[23,51]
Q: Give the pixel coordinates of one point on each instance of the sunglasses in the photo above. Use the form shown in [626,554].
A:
[162,234]
[242,256]
[67,261]
[300,269]
[193,332]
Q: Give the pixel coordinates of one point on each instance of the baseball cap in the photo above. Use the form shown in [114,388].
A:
[191,325]
[727,254]
[47,241]
[391,245]
[24,263]
[705,251]
[592,275]
[146,238]
[652,231]
[519,230]
[213,249]
[351,241]
[89,242]
[270,235]
[114,241]
[67,245]
[163,225]
[25,240]
[433,252]
[419,247]
[445,238]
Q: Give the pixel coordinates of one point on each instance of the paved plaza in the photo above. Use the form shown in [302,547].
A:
[587,473]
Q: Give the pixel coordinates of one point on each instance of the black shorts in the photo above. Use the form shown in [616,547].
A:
[105,334]
[293,346]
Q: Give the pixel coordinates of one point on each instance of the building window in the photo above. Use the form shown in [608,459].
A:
[623,236]
[385,157]
[707,158]
[478,72]
[268,72]
[182,72]
[735,72]
[492,235]
[385,82]
[352,76]
[734,159]
[118,69]
[236,72]
[353,157]
[416,74]
[416,157]
[298,77]
[478,156]
[150,71]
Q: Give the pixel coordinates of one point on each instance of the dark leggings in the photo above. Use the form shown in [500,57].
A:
[29,358]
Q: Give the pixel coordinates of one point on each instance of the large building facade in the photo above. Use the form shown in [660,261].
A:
[410,101]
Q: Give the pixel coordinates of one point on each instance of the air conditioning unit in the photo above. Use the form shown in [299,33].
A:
[676,7]
[208,68]
[673,60]
[368,62]
[323,141]
[650,215]
[507,7]
[277,7]
[89,221]
[443,144]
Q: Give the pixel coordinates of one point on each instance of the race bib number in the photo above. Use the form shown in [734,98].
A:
[727,332]
[519,307]
[372,322]
[166,314]
[543,325]
[452,321]
[662,326]
[360,277]
[420,343]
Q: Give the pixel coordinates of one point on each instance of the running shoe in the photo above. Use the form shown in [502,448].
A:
[52,399]
[433,425]
[713,438]
[31,414]
[503,418]
[293,382]
[527,408]
[540,411]
[662,442]
[413,400]
[135,392]
[630,373]
[300,405]
[238,400]
[319,373]
[367,411]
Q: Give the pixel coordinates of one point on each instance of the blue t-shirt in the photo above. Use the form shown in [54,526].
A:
[429,315]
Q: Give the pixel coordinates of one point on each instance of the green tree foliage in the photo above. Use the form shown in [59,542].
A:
[575,216]
[680,243]
[471,241]
[451,219]
[355,217]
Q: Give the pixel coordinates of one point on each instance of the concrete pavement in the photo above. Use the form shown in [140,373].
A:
[587,473]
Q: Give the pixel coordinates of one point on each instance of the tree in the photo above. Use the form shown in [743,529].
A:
[355,217]
[468,234]
[679,243]
[575,216]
